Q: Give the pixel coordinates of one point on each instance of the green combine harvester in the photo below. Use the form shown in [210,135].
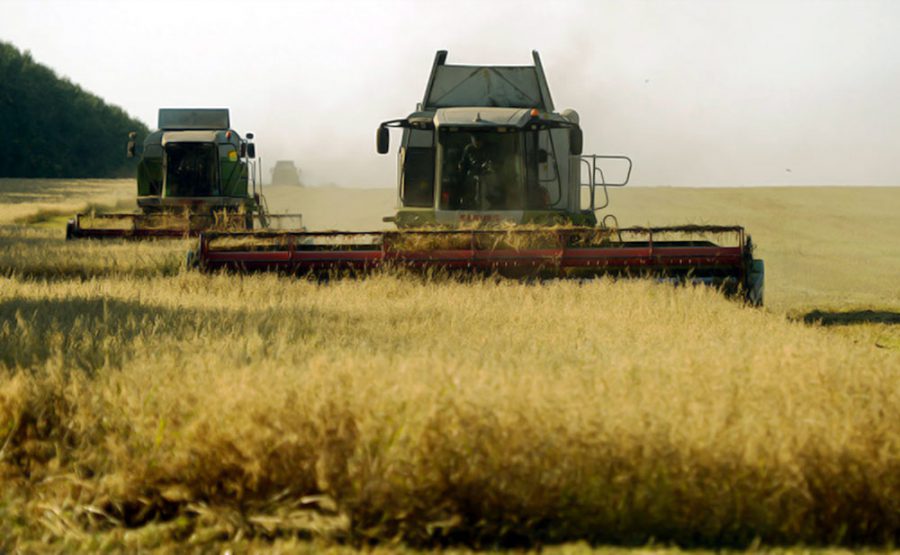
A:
[492,179]
[195,174]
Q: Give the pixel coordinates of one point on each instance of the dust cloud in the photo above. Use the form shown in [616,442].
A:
[329,208]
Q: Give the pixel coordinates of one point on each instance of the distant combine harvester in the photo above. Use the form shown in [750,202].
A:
[286,173]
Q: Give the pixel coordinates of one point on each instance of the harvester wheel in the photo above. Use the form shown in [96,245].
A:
[70,230]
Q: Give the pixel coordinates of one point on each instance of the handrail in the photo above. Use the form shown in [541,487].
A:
[590,161]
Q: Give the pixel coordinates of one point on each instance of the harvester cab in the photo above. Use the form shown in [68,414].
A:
[195,173]
[493,180]
[486,145]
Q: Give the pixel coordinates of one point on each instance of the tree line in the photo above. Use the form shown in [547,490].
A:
[51,127]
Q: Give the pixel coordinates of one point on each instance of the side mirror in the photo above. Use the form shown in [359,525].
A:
[251,150]
[131,144]
[576,141]
[249,136]
[383,140]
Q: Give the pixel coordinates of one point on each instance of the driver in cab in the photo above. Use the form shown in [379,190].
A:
[473,165]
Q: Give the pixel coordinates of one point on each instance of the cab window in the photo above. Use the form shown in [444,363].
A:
[481,170]
[417,187]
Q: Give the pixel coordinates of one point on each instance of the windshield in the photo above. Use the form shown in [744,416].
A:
[497,169]
[191,170]
[481,170]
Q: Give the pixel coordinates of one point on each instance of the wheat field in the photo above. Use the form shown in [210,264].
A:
[146,407]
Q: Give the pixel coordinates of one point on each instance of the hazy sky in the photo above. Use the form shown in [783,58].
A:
[697,93]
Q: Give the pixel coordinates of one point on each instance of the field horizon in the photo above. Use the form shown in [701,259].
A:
[144,406]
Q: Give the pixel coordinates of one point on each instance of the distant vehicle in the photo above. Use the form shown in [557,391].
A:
[195,173]
[286,173]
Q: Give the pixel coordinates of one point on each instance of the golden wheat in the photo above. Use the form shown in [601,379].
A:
[388,406]
[153,407]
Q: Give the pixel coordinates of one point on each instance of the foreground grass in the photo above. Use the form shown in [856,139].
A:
[145,407]
[217,407]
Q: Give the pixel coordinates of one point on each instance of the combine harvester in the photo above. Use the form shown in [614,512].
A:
[195,174]
[492,179]
[285,173]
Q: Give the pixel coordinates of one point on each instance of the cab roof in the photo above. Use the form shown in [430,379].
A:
[181,119]
[487,86]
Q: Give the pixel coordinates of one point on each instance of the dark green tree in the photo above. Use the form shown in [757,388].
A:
[51,127]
